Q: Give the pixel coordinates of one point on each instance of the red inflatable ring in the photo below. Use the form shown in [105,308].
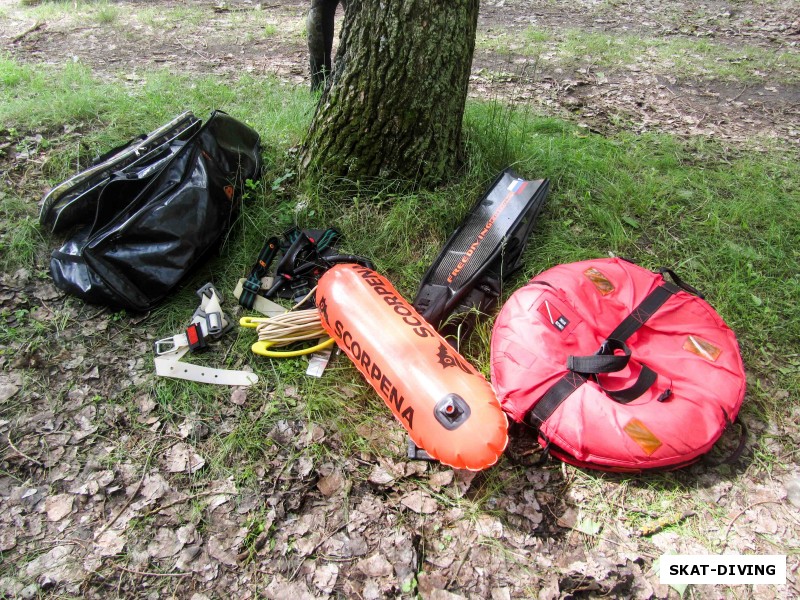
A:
[616,367]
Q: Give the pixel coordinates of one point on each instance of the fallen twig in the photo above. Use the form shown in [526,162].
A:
[260,542]
[470,545]
[663,523]
[739,514]
[153,511]
[20,452]
[647,513]
[36,27]
[627,547]
[739,95]
[200,54]
[148,574]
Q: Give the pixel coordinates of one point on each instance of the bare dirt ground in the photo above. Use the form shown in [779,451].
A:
[644,95]
[102,492]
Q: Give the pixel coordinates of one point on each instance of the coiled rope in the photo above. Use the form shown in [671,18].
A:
[292,326]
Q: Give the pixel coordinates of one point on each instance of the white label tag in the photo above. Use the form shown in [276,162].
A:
[726,569]
[318,362]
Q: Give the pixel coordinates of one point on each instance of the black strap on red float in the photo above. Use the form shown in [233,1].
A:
[738,451]
[605,361]
[646,309]
[583,367]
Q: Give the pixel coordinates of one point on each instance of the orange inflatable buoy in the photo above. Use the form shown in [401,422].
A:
[447,407]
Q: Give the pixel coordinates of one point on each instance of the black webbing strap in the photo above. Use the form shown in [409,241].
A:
[251,287]
[737,452]
[605,361]
[565,386]
[646,309]
[571,381]
[646,378]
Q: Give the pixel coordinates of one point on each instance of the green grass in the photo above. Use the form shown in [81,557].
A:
[679,56]
[106,14]
[723,218]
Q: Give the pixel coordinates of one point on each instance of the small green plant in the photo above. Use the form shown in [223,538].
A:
[277,183]
[106,14]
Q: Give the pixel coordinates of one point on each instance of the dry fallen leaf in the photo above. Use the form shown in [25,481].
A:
[218,551]
[239,396]
[440,479]
[182,458]
[380,476]
[8,540]
[314,434]
[154,486]
[57,565]
[439,594]
[110,543]
[568,519]
[145,404]
[59,506]
[94,483]
[7,390]
[419,502]
[375,566]
[331,484]
[325,577]
[280,588]
[304,466]
[164,544]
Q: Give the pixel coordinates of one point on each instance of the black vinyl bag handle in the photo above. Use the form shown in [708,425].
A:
[680,282]
[646,378]
[605,361]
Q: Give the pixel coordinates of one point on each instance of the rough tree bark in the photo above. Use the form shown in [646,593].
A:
[395,103]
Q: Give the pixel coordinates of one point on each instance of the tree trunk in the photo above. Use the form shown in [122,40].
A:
[395,103]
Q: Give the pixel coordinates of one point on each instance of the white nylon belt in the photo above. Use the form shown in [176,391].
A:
[169,364]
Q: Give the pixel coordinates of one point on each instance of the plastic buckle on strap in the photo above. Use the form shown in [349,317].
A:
[170,344]
[195,337]
[215,324]
[417,453]
[208,290]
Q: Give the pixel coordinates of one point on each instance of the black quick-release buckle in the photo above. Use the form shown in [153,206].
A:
[195,337]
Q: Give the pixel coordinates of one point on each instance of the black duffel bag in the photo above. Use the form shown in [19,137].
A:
[148,212]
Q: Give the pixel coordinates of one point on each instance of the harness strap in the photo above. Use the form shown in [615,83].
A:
[208,322]
[737,452]
[252,285]
[646,378]
[572,380]
[605,361]
[559,392]
[171,365]
[646,309]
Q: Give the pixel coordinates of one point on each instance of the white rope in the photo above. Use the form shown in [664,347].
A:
[292,326]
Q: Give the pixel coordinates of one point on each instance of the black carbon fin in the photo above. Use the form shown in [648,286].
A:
[485,249]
